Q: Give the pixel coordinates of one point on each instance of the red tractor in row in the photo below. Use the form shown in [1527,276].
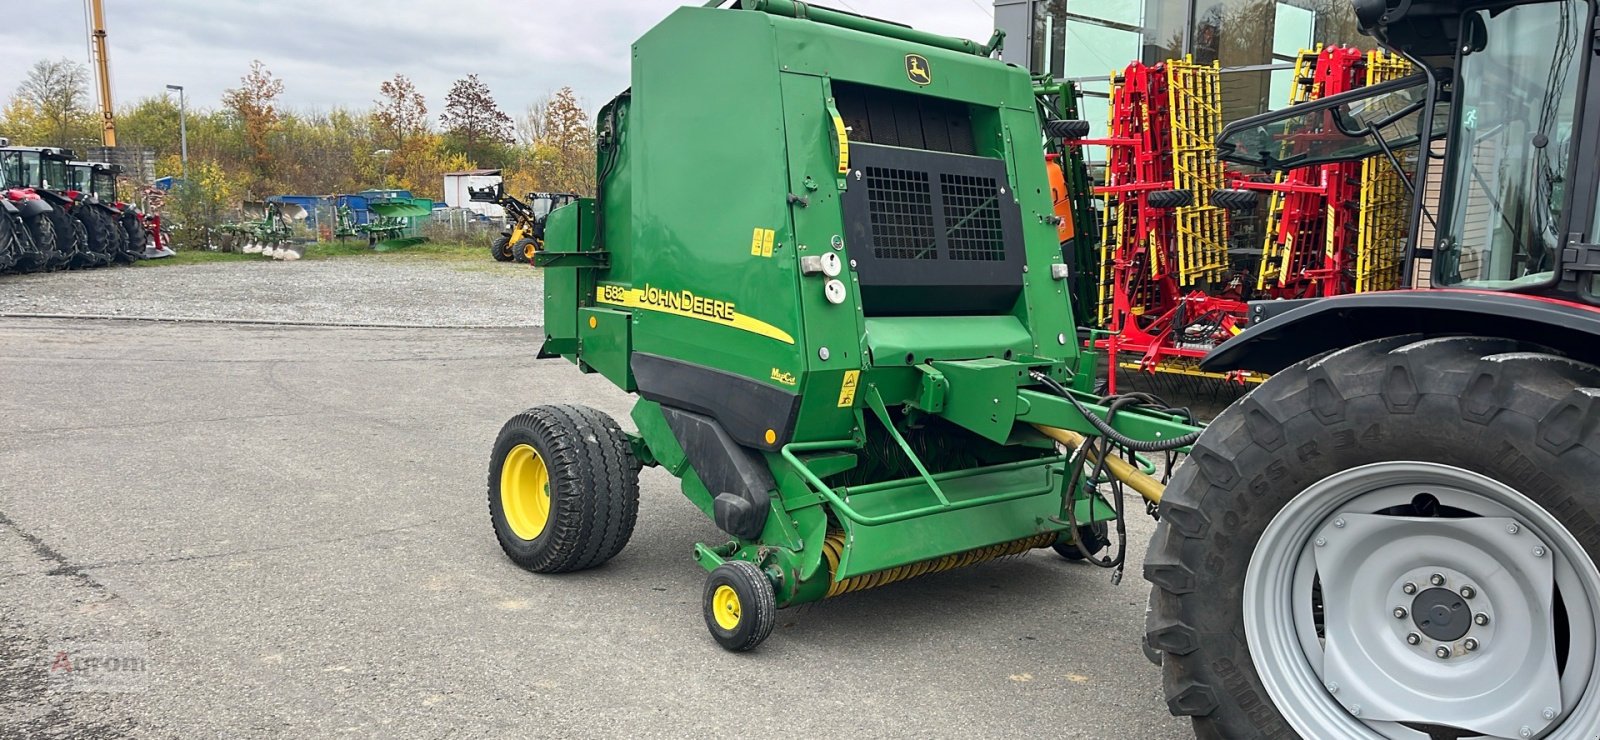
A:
[67,210]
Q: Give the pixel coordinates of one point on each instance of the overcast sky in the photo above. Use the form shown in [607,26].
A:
[335,52]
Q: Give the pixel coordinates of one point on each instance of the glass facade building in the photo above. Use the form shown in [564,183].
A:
[1254,40]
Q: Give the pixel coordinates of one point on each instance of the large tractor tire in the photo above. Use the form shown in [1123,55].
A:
[138,237]
[1397,539]
[101,240]
[10,240]
[501,249]
[43,231]
[80,237]
[563,489]
[119,238]
[64,252]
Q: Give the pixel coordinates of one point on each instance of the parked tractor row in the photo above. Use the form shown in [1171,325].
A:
[59,213]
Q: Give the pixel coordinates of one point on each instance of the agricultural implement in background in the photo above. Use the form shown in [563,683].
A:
[526,220]
[267,229]
[861,360]
[1166,286]
[396,223]
[1339,227]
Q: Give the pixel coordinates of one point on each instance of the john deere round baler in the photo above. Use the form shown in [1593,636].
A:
[824,255]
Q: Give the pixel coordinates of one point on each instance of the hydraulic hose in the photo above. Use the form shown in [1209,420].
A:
[1105,428]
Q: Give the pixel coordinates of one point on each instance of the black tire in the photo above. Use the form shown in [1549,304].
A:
[10,245]
[1235,200]
[501,248]
[98,230]
[43,231]
[1092,539]
[1486,405]
[593,488]
[119,238]
[64,252]
[756,607]
[1170,198]
[523,251]
[80,237]
[136,236]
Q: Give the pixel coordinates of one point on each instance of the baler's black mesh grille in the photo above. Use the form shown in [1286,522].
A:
[972,217]
[900,204]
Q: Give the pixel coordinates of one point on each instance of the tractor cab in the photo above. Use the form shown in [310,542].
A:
[1504,97]
[42,168]
[98,179]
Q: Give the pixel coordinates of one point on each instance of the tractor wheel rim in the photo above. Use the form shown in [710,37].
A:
[725,607]
[525,492]
[1333,570]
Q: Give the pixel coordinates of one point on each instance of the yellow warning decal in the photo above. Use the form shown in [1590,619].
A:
[847,389]
[844,144]
[761,242]
[685,303]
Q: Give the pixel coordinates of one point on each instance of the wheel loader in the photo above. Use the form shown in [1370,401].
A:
[1396,535]
[526,218]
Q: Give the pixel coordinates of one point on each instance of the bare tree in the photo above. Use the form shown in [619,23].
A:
[59,92]
[401,112]
[471,115]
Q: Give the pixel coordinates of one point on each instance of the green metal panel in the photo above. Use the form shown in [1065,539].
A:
[905,340]
[567,230]
[874,548]
[605,342]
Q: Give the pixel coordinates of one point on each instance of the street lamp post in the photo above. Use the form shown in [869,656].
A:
[183,131]
[383,171]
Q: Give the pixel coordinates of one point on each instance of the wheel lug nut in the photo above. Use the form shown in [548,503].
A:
[1333,688]
[1468,592]
[1436,579]
[1549,712]
[1409,588]
[1526,731]
[1512,529]
[1480,619]
[1470,644]
[1443,652]
[1538,552]
[1322,542]
[1413,639]
[1399,612]
[1339,523]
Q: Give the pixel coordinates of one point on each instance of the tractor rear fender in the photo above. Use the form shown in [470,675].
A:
[1316,326]
[31,207]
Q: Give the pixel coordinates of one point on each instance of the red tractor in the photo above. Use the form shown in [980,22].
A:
[1396,535]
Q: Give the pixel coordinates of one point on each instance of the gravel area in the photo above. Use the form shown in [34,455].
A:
[354,291]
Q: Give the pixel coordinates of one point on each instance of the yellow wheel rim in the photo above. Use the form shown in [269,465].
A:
[725,607]
[525,492]
[528,250]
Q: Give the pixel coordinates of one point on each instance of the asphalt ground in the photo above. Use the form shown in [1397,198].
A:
[283,532]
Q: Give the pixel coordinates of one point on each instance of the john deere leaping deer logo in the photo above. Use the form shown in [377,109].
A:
[917,69]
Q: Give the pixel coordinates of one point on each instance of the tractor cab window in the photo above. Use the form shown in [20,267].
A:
[79,177]
[104,185]
[1340,128]
[21,169]
[1516,90]
[55,174]
[10,169]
